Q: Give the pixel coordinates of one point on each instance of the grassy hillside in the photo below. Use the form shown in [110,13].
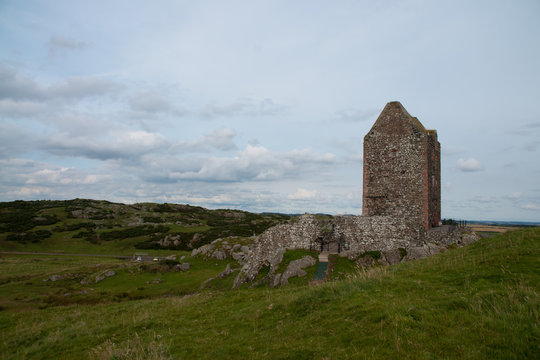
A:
[102,227]
[476,302]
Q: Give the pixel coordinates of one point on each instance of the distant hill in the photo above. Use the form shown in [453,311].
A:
[78,223]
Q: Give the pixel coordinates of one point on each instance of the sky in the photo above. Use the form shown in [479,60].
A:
[263,105]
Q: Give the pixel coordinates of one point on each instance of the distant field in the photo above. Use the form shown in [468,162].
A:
[492,228]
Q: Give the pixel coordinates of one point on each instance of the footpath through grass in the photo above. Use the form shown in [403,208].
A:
[477,302]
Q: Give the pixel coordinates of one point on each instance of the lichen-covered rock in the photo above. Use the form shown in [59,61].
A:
[296,268]
[417,252]
[392,256]
[203,250]
[275,280]
[219,255]
[468,238]
[434,249]
[102,276]
[182,267]
[366,261]
[226,272]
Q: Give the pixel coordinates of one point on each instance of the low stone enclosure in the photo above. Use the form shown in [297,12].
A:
[355,235]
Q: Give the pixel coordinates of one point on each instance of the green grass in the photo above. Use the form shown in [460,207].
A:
[341,267]
[296,254]
[22,284]
[476,302]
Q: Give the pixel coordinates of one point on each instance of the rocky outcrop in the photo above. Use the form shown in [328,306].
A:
[296,268]
[182,267]
[98,277]
[270,246]
[221,249]
[228,270]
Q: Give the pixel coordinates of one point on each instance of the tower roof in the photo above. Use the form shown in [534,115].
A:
[394,113]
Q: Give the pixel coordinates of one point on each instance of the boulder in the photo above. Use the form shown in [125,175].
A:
[181,267]
[227,271]
[104,275]
[366,261]
[238,256]
[468,238]
[219,255]
[417,252]
[392,256]
[276,280]
[435,249]
[296,267]
[203,250]
[55,278]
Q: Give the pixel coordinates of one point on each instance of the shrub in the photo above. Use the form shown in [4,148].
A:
[374,254]
[31,236]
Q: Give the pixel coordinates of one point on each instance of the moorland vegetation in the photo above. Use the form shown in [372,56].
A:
[475,302]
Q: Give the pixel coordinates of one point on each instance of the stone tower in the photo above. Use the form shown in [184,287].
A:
[402,170]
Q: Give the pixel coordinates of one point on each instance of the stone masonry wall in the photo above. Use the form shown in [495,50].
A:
[402,169]
[434,179]
[359,233]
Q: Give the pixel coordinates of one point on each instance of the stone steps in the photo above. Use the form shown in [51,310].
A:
[323,257]
[320,273]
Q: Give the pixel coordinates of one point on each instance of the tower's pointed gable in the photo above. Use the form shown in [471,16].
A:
[395,119]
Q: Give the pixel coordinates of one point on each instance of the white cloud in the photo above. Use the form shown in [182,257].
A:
[515,195]
[221,139]
[20,109]
[152,102]
[116,145]
[469,165]
[243,107]
[303,194]
[80,87]
[254,163]
[16,86]
[530,206]
[31,192]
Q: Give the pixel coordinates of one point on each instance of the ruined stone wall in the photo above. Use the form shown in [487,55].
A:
[271,244]
[358,234]
[361,234]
